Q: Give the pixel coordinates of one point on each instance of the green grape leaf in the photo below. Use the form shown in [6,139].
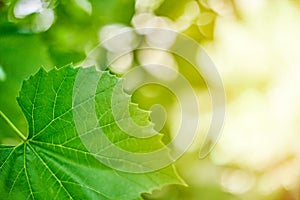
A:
[56,162]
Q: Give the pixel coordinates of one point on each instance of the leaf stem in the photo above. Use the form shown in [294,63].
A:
[17,131]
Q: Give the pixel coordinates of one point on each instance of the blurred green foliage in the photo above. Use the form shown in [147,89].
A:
[24,48]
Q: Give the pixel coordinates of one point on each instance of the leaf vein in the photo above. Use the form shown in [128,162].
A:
[51,172]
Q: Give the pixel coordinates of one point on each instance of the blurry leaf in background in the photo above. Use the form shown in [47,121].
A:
[205,192]
[75,31]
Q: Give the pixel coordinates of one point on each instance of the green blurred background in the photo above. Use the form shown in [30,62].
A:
[254,44]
